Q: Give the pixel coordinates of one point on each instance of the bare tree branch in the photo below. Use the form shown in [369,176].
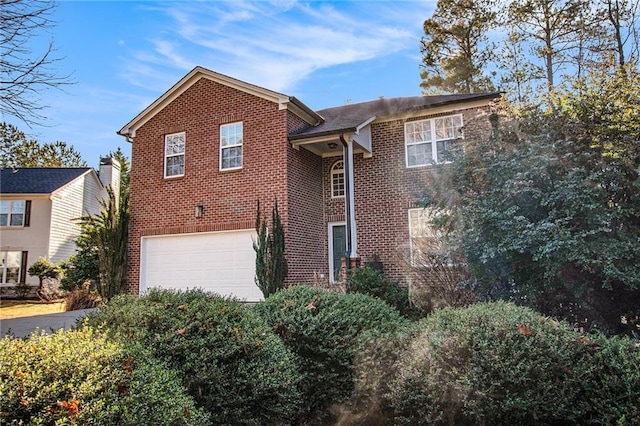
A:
[24,74]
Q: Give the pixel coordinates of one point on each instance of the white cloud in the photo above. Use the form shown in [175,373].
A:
[276,44]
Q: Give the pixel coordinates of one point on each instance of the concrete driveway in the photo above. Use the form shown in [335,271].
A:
[22,327]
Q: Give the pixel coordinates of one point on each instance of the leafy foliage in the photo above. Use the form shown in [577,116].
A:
[18,151]
[369,281]
[271,265]
[81,377]
[323,329]
[547,212]
[84,266]
[82,298]
[455,47]
[43,268]
[496,363]
[556,28]
[228,359]
[107,234]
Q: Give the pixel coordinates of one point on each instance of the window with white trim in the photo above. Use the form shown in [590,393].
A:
[174,145]
[427,141]
[231,146]
[13,213]
[12,272]
[424,238]
[337,179]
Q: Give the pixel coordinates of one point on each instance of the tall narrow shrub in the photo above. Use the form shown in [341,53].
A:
[271,265]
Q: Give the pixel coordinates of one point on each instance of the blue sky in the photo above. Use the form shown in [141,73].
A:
[123,55]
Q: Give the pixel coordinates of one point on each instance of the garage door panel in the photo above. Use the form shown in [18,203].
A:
[221,262]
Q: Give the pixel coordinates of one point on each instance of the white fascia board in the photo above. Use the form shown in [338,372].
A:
[362,137]
[189,80]
[23,196]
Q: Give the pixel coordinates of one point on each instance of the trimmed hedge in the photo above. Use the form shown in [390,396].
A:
[496,363]
[369,281]
[229,360]
[323,329]
[80,377]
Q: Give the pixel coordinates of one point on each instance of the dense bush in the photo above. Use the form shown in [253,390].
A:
[323,330]
[376,363]
[82,298]
[496,363]
[79,377]
[369,281]
[229,360]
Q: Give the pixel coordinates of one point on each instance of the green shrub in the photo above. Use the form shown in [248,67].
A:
[496,363]
[82,298]
[369,281]
[323,330]
[80,377]
[229,360]
[375,363]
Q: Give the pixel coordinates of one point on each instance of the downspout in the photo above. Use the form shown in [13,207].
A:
[347,198]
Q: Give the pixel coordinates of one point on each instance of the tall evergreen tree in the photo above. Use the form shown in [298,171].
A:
[455,48]
[554,29]
[18,151]
[271,264]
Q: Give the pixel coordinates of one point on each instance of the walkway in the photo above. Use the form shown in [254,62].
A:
[22,327]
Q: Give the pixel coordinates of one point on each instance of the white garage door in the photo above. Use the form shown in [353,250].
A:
[222,262]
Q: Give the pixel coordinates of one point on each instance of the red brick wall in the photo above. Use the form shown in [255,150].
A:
[385,188]
[305,249]
[166,206]
[384,191]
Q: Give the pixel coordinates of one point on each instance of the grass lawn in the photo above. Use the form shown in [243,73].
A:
[26,308]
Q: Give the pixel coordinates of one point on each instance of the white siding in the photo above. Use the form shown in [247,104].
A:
[74,200]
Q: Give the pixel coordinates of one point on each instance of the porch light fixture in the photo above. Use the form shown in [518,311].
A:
[332,145]
[199,211]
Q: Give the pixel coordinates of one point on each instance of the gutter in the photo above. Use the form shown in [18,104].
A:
[347,199]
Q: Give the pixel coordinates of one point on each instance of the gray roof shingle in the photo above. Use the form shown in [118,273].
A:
[37,180]
[346,118]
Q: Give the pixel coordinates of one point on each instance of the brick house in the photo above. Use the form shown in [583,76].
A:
[346,180]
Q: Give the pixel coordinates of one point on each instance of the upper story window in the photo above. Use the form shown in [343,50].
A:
[174,154]
[427,141]
[231,146]
[337,179]
[14,212]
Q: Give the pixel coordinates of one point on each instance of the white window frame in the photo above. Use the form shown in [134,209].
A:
[430,136]
[426,230]
[335,174]
[11,213]
[174,154]
[235,145]
[3,276]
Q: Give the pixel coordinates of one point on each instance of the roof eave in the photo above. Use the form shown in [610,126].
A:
[129,129]
[322,135]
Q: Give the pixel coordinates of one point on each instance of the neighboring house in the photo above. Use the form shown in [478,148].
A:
[39,208]
[346,180]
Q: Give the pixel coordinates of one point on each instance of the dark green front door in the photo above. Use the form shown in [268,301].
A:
[339,247]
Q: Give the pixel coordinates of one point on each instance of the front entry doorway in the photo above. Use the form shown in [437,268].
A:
[337,249]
